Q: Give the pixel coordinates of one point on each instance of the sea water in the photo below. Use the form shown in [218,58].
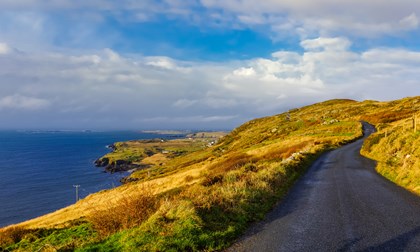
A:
[38,169]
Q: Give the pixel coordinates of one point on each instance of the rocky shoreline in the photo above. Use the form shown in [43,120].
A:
[118,165]
[134,155]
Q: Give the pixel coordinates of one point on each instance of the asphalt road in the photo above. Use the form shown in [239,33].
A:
[340,204]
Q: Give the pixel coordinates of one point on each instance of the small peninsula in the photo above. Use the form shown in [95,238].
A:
[137,155]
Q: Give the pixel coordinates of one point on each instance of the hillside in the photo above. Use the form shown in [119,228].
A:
[204,199]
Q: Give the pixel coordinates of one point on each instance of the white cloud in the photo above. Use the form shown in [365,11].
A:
[286,57]
[4,48]
[325,17]
[410,22]
[18,101]
[392,56]
[103,88]
[108,86]
[190,119]
[326,69]
[306,18]
[249,71]
[328,44]
[111,55]
[184,103]
[166,63]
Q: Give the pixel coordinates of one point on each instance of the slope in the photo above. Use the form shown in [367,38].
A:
[203,200]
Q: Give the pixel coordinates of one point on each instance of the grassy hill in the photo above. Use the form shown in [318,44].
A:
[204,199]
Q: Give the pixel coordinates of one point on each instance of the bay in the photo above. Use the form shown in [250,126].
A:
[38,169]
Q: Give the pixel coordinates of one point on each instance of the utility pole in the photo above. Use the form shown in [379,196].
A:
[415,108]
[77,192]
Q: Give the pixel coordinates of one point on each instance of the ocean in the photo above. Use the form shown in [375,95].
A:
[38,170]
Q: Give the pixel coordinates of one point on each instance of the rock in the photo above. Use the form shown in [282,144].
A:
[121,162]
[128,180]
[123,166]
[111,146]
[118,166]
[102,162]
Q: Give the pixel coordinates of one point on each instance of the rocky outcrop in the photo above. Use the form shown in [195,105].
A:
[101,162]
[118,165]
[126,180]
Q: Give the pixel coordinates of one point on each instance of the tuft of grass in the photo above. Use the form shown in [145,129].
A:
[12,235]
[128,212]
[232,161]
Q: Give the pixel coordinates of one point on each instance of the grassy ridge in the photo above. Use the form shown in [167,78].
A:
[144,153]
[396,148]
[205,199]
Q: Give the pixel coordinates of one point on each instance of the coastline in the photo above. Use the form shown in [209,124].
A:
[61,217]
[134,155]
[40,169]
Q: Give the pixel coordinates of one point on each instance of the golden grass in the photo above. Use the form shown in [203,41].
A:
[11,235]
[127,212]
[104,199]
[396,148]
[157,151]
[156,159]
[253,160]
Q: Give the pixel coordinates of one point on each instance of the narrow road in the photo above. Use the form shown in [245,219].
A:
[340,204]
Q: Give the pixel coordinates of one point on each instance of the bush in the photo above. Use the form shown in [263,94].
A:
[279,154]
[130,211]
[232,162]
[188,178]
[210,180]
[12,235]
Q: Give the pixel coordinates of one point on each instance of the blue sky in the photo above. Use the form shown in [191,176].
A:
[209,64]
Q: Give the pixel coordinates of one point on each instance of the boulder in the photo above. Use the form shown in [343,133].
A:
[102,162]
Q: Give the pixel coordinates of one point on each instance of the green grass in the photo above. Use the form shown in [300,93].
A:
[64,239]
[241,178]
[136,151]
[209,217]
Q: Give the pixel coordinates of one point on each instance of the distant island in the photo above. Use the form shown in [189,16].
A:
[167,132]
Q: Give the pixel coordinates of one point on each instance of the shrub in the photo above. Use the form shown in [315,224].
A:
[285,152]
[12,235]
[130,211]
[188,178]
[232,162]
[250,167]
[210,180]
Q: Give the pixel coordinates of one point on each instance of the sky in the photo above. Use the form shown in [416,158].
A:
[198,64]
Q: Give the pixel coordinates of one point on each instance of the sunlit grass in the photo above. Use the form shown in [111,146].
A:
[204,199]
[396,148]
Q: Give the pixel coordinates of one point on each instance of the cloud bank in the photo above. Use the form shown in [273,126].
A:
[71,63]
[105,89]
[305,18]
